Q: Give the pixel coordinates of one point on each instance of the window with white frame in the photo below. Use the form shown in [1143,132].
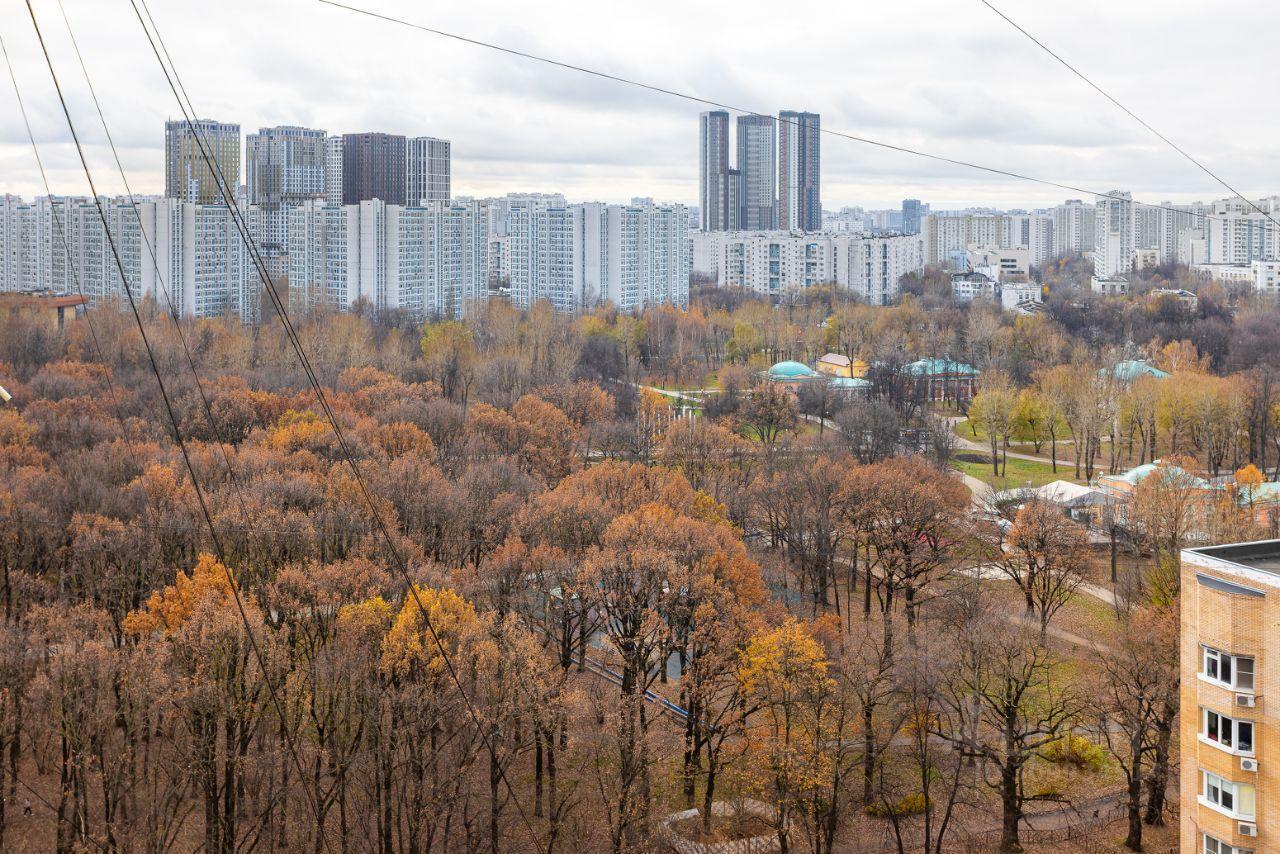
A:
[1226,732]
[1230,671]
[1234,799]
[1217,846]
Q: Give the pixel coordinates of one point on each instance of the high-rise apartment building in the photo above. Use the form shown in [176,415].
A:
[946,238]
[284,166]
[17,259]
[1230,625]
[713,170]
[333,170]
[187,173]
[427,170]
[630,256]
[733,200]
[1074,231]
[773,263]
[429,261]
[1180,225]
[373,167]
[1113,253]
[758,167]
[1034,232]
[911,210]
[189,258]
[799,171]
[1146,227]
[1236,234]
[436,260]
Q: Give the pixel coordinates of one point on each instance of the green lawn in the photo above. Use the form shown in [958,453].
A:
[1065,450]
[1018,473]
[965,428]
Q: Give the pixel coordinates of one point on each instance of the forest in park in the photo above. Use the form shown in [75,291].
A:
[532,582]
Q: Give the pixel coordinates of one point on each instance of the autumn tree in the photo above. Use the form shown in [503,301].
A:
[1136,692]
[197,623]
[994,410]
[1007,702]
[770,412]
[450,354]
[1046,555]
[784,676]
[913,519]
[1165,510]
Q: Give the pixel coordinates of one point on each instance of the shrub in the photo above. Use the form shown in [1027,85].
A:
[1078,751]
[909,805]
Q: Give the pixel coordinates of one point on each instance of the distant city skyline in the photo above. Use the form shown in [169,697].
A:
[516,124]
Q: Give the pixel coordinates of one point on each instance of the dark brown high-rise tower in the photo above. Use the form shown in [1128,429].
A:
[373,168]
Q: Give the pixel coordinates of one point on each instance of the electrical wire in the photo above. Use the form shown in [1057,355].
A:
[709,102]
[1203,168]
[113,393]
[173,420]
[155,265]
[184,102]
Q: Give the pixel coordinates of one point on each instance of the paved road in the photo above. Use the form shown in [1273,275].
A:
[692,397]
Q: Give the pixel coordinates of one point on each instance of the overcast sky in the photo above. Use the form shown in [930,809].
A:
[945,76]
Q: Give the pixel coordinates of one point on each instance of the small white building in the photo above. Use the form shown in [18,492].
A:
[966,287]
[1226,274]
[1016,296]
[1187,298]
[1000,263]
[1111,286]
[1266,278]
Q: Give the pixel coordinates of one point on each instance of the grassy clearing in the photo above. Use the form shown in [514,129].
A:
[966,430]
[1018,473]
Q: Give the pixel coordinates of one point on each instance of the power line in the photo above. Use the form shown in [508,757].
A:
[1205,169]
[62,238]
[398,561]
[155,264]
[709,102]
[177,431]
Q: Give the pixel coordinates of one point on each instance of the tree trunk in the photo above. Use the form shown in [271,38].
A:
[708,795]
[537,772]
[1114,575]
[1133,841]
[1010,809]
[1159,780]
[868,752]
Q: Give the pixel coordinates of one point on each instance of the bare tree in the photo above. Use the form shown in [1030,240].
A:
[1045,554]
[1005,704]
[1137,681]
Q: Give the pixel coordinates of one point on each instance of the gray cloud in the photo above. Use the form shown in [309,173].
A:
[945,76]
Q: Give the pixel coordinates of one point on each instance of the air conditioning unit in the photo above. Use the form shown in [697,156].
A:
[1248,764]
[1246,700]
[1247,828]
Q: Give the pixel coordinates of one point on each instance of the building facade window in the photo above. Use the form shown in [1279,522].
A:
[1226,732]
[1217,846]
[1229,671]
[1233,799]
